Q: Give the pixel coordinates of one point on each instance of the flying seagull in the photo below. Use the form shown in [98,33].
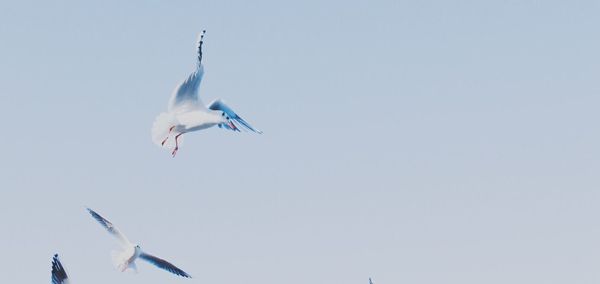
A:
[125,259]
[59,275]
[187,113]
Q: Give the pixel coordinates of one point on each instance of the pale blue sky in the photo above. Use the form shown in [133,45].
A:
[413,142]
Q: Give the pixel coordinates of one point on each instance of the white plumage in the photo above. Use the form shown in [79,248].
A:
[125,258]
[187,113]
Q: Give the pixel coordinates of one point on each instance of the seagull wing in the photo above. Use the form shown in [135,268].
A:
[59,275]
[110,228]
[238,120]
[185,96]
[161,263]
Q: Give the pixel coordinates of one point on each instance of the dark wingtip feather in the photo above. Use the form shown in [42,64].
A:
[163,264]
[58,271]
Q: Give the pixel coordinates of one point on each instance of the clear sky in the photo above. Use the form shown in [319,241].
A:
[408,141]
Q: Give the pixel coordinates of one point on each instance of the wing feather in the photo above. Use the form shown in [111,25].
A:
[59,275]
[110,228]
[238,120]
[163,264]
[186,94]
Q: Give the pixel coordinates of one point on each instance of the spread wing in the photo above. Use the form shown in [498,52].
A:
[185,95]
[161,263]
[110,228]
[59,275]
[234,117]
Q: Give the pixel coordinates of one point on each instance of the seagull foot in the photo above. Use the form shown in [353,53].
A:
[164,141]
[174,151]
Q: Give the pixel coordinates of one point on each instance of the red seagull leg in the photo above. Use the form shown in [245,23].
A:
[176,144]
[165,140]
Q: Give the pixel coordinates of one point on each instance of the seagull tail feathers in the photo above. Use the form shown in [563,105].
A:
[119,260]
[161,127]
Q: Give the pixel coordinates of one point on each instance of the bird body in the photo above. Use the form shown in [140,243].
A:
[197,120]
[187,113]
[125,258]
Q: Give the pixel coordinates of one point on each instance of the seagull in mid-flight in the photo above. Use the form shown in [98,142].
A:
[187,113]
[125,259]
[59,275]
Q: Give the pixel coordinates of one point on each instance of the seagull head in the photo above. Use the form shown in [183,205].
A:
[137,250]
[225,119]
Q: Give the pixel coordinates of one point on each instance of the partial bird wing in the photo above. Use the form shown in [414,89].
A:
[59,275]
[185,96]
[238,120]
[370,282]
[161,263]
[110,228]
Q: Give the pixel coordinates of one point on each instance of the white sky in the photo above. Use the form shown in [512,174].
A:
[412,142]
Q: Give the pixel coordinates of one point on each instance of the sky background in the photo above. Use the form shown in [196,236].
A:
[408,141]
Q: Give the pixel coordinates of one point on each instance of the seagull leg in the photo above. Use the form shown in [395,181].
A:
[165,140]
[176,144]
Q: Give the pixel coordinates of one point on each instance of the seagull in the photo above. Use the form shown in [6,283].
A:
[59,275]
[125,259]
[187,113]
[370,282]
